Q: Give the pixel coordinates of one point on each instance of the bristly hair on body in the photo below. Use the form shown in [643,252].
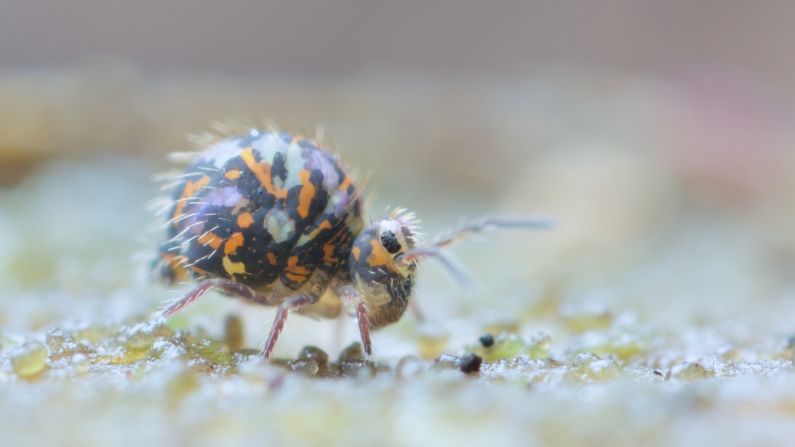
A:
[200,143]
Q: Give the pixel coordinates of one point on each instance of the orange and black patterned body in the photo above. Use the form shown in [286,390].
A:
[268,210]
[274,219]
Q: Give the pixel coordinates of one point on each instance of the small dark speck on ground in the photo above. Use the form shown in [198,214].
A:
[470,364]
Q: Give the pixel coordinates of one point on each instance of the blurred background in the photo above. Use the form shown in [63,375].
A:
[659,134]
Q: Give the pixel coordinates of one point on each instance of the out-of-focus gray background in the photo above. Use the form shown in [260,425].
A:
[337,39]
[659,133]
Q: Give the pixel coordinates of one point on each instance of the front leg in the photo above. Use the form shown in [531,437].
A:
[293,303]
[364,328]
[349,295]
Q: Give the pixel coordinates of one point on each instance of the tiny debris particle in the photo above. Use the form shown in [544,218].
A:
[470,364]
[487,340]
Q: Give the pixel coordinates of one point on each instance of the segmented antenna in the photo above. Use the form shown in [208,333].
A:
[471,228]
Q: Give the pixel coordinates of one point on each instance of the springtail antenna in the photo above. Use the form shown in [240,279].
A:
[471,228]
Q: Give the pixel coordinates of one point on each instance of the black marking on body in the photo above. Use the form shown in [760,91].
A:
[264,258]
[279,167]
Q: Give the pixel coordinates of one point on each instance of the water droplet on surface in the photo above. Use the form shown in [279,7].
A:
[316,355]
[28,359]
[446,362]
[307,367]
[352,352]
[689,371]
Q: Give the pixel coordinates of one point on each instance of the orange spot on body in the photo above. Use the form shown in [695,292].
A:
[211,239]
[233,243]
[261,170]
[328,254]
[174,264]
[325,225]
[190,190]
[244,220]
[234,174]
[356,253]
[378,256]
[306,195]
[172,260]
[329,257]
[199,270]
[272,259]
[345,183]
[295,272]
[263,173]
[294,277]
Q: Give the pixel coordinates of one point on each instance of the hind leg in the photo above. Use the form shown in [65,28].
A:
[232,288]
[293,303]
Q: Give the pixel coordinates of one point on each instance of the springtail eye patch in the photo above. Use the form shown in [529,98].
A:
[390,242]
